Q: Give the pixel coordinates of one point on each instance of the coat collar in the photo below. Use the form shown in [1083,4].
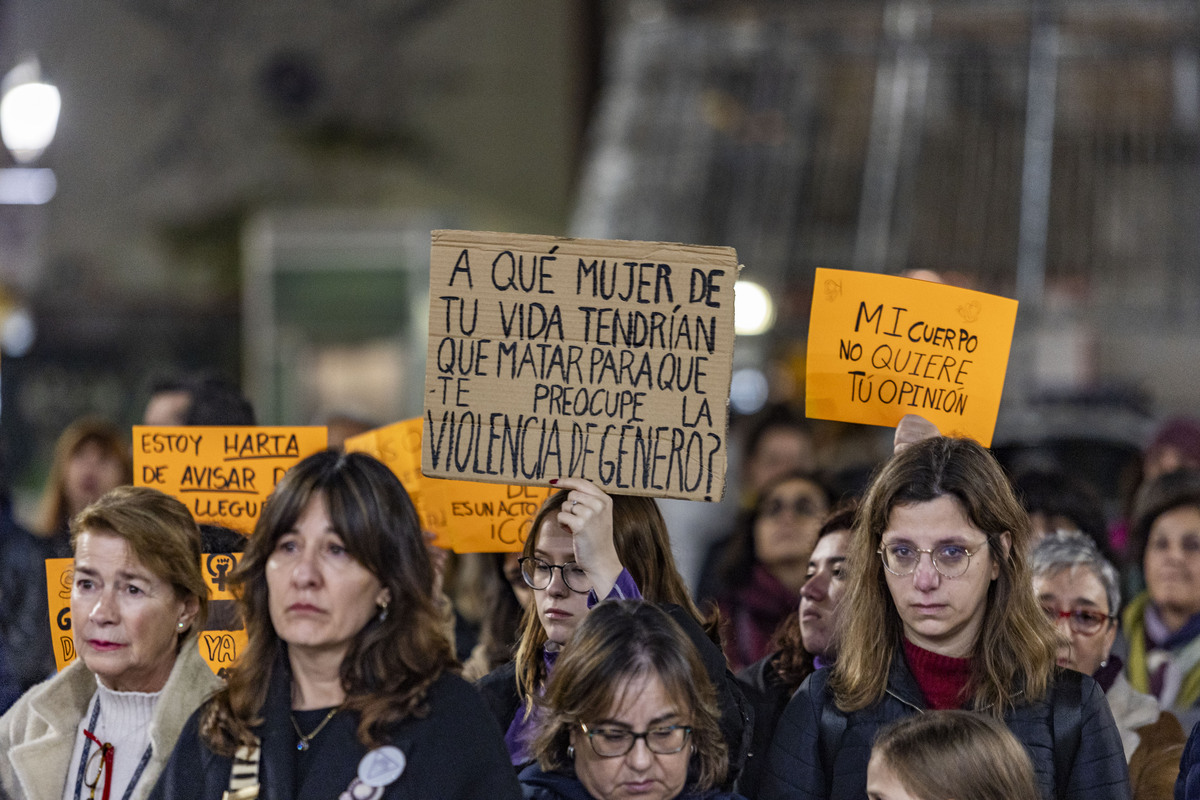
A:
[57,706]
[902,684]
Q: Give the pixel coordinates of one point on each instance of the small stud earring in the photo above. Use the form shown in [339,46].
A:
[182,625]
[383,611]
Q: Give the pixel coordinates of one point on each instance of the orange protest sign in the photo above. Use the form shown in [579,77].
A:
[880,347]
[483,517]
[223,475]
[219,647]
[465,516]
[399,447]
[60,574]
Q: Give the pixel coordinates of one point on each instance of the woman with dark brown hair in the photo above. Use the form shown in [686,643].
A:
[347,685]
[586,546]
[766,562]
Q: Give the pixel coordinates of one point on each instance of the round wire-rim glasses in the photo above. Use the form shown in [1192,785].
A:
[950,560]
[1084,621]
[616,742]
[538,574]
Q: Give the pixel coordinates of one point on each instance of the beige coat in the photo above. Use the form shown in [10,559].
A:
[1153,741]
[37,735]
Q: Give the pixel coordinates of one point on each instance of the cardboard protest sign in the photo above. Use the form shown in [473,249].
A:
[223,475]
[219,647]
[880,347]
[606,360]
[465,516]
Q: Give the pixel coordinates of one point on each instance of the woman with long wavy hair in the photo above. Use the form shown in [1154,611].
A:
[938,614]
[347,684]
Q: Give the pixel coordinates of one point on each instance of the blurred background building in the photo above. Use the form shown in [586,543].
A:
[249,187]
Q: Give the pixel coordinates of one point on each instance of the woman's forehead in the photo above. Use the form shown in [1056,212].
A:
[554,539]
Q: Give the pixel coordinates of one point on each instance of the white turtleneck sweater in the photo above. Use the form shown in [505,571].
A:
[124,722]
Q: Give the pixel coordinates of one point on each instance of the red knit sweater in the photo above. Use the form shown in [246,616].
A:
[943,680]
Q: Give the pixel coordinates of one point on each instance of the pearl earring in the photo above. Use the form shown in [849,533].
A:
[383,610]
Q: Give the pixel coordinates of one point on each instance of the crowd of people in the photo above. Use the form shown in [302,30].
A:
[932,629]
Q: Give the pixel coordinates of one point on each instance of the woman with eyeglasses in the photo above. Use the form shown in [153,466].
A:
[629,712]
[586,546]
[938,614]
[766,562]
[1079,591]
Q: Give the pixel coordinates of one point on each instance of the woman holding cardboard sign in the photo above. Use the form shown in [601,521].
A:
[347,685]
[106,724]
[585,546]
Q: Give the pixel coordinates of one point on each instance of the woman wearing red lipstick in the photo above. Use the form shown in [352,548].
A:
[106,724]
[629,713]
[586,546]
[347,687]
[938,614]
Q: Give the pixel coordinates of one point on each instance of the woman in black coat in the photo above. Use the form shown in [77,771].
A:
[939,613]
[346,686]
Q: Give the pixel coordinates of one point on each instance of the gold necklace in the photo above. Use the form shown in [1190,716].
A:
[305,739]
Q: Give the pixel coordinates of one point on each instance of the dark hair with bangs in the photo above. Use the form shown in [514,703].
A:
[618,642]
[391,662]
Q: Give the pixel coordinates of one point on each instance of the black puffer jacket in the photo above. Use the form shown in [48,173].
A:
[798,767]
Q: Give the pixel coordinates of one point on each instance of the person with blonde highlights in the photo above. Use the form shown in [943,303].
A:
[938,614]
[106,724]
[629,712]
[347,686]
[949,755]
[586,546]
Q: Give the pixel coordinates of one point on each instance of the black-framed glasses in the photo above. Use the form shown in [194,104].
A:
[538,574]
[616,742]
[950,560]
[1084,621]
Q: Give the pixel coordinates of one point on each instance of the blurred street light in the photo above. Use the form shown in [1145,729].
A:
[753,309]
[28,111]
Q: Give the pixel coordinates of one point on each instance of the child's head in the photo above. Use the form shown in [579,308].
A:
[949,755]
